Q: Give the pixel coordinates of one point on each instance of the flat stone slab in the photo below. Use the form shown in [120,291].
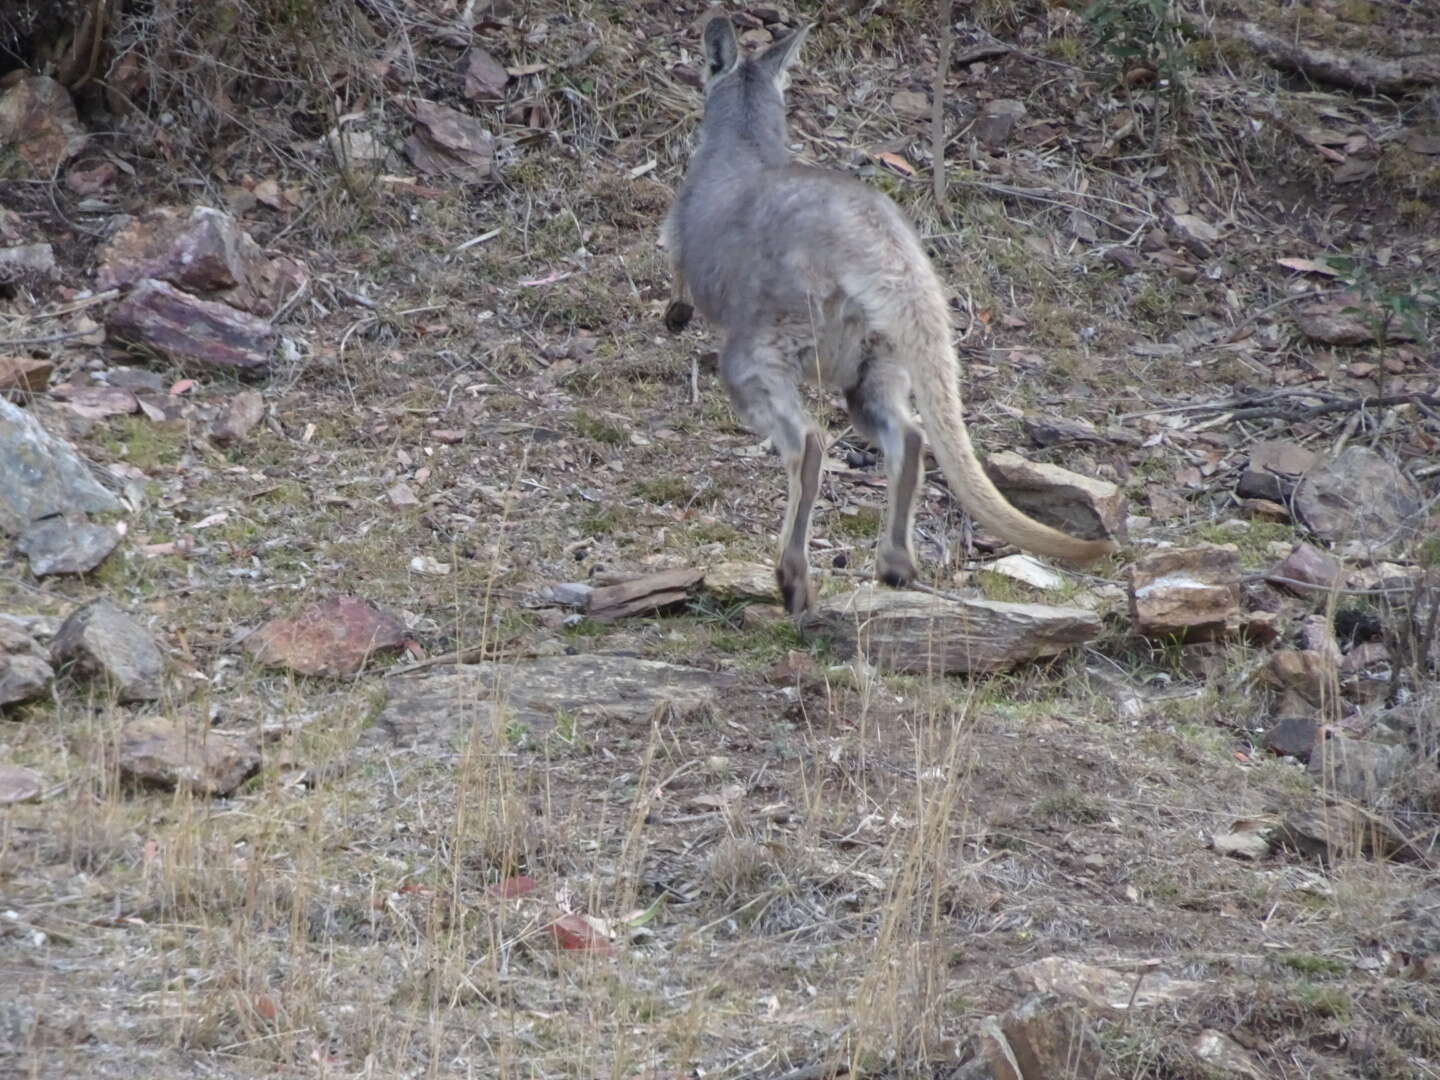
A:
[42,475]
[67,544]
[920,633]
[533,693]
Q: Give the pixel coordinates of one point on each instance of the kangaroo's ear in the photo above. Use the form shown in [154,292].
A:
[722,51]
[776,60]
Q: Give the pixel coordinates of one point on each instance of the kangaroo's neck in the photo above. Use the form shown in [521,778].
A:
[745,128]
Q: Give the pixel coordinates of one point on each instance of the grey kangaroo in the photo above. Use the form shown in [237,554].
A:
[811,274]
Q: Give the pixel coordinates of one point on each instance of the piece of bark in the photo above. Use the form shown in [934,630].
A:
[652,592]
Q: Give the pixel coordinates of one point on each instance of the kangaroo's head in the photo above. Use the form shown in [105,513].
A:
[745,95]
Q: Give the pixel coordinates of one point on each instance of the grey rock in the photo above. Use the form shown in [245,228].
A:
[42,475]
[66,544]
[18,784]
[1355,769]
[1291,736]
[922,633]
[99,641]
[1361,498]
[591,688]
[23,677]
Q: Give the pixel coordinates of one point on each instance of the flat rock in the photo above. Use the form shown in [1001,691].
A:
[67,544]
[334,638]
[177,754]
[1027,570]
[1079,505]
[921,633]
[21,375]
[1360,497]
[1310,673]
[43,475]
[593,687]
[448,142]
[1355,769]
[198,249]
[99,641]
[203,333]
[1189,593]
[742,581]
[18,784]
[484,76]
[23,677]
[1334,322]
[1307,571]
[38,121]
[1248,838]
[1104,989]
[1274,468]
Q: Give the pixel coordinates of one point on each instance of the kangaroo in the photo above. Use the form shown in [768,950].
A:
[814,275]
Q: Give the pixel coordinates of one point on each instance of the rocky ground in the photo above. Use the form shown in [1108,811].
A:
[391,677]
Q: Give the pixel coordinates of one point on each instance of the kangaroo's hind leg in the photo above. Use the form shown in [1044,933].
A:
[766,395]
[879,405]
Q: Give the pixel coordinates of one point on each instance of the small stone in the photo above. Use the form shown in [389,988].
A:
[1191,593]
[429,566]
[1275,466]
[911,104]
[1247,838]
[1307,571]
[23,677]
[997,122]
[334,638]
[1264,510]
[448,436]
[19,784]
[402,496]
[1220,1052]
[1027,570]
[1306,672]
[242,412]
[1291,736]
[66,545]
[484,76]
[742,581]
[174,754]
[99,641]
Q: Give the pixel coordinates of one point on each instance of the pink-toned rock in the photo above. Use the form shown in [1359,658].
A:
[239,417]
[1077,504]
[1307,570]
[334,638]
[201,251]
[205,333]
[38,121]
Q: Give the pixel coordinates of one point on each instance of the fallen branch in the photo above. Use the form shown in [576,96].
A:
[1354,71]
[1291,412]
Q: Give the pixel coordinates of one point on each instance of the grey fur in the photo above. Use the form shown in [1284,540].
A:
[814,276]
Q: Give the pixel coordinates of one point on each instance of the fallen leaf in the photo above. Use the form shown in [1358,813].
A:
[1309,266]
[896,163]
[512,888]
[182,387]
[521,70]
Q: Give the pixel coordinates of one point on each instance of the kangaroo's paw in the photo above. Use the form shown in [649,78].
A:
[895,567]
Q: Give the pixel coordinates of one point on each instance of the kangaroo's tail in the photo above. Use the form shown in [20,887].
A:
[909,308]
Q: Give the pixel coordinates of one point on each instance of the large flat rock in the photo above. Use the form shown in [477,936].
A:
[920,633]
[533,693]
